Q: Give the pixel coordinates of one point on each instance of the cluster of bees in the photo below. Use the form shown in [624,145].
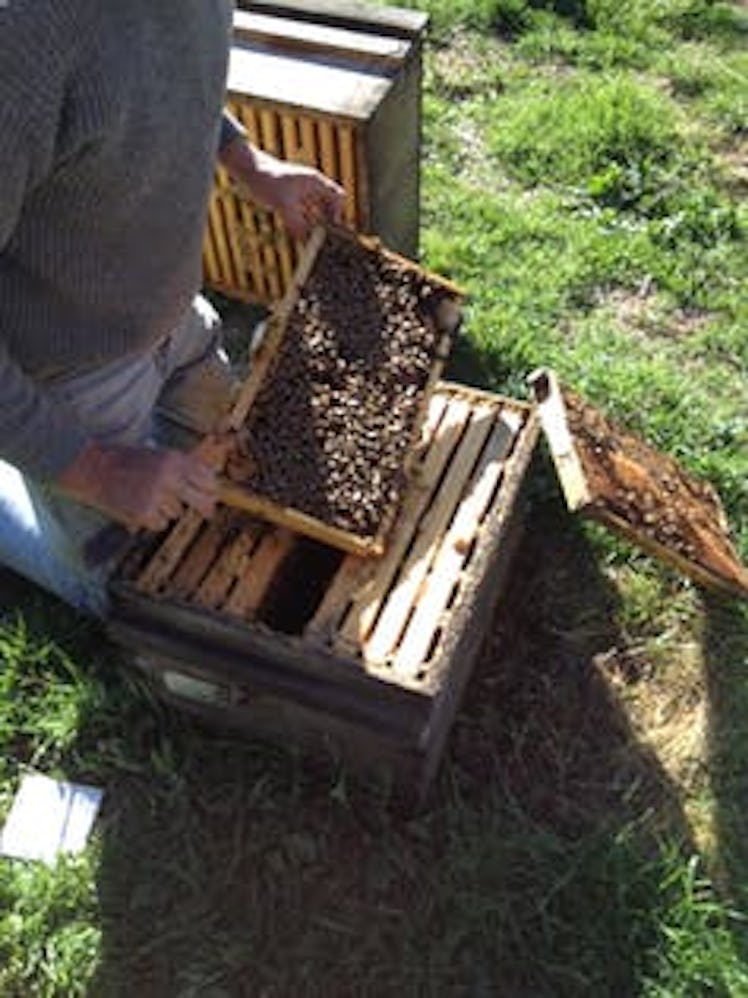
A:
[663,501]
[332,425]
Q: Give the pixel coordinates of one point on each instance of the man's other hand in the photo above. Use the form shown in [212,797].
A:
[140,487]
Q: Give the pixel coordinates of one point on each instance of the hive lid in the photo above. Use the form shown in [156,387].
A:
[639,492]
[321,67]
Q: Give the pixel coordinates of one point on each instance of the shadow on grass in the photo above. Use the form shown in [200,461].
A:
[549,862]
[726,657]
[230,868]
[720,23]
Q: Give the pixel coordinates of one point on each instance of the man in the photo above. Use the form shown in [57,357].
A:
[110,119]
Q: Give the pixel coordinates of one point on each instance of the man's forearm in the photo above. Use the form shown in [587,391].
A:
[300,194]
[256,171]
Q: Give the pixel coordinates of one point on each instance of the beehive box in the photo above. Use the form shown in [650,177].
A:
[336,395]
[251,624]
[334,86]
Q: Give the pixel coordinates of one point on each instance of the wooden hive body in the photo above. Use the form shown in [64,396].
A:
[255,625]
[334,87]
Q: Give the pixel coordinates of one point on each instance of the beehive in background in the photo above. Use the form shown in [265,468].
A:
[334,86]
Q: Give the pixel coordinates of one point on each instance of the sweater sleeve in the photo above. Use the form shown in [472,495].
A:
[39,438]
[230,129]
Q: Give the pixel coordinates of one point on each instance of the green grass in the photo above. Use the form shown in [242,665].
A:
[587,834]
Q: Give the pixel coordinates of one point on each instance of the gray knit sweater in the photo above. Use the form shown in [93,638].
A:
[109,115]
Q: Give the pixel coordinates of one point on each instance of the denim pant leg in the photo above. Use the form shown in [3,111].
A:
[42,534]
[41,538]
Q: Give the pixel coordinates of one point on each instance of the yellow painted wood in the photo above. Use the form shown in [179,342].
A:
[309,142]
[240,497]
[328,154]
[250,227]
[348,177]
[237,245]
[210,262]
[218,228]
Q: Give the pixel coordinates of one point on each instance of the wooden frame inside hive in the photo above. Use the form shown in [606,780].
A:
[334,86]
[382,648]
[642,494]
[373,380]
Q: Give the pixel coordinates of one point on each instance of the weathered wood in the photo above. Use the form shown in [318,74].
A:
[397,22]
[202,554]
[454,551]
[478,600]
[363,613]
[311,37]
[214,588]
[241,652]
[258,571]
[354,574]
[177,540]
[408,709]
[400,601]
[556,429]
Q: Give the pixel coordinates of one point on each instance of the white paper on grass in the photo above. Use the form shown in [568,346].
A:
[48,817]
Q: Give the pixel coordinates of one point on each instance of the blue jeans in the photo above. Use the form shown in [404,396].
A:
[43,534]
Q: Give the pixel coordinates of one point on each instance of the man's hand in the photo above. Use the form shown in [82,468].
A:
[140,487]
[301,195]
